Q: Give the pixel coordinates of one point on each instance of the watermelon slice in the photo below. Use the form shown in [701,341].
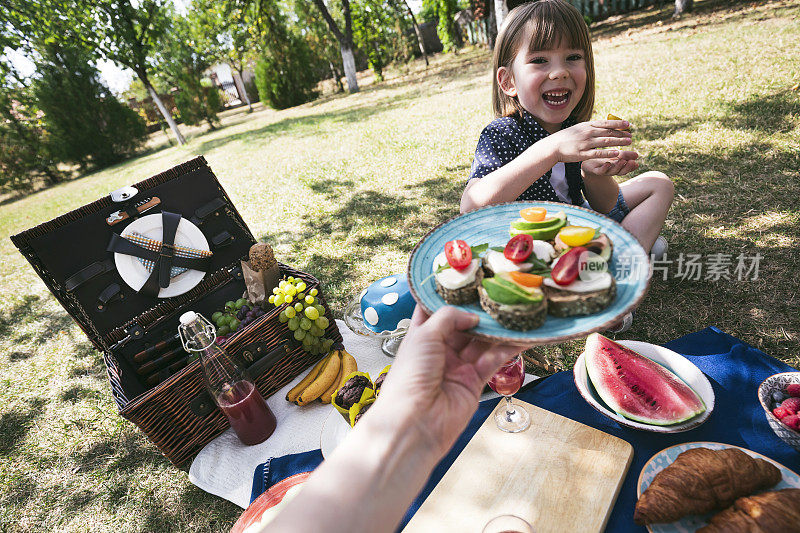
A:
[636,387]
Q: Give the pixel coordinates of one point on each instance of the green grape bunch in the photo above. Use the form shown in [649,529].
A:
[303,314]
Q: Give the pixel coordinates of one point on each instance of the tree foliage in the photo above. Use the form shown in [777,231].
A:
[282,76]
[344,35]
[444,11]
[230,32]
[380,31]
[189,50]
[130,33]
[24,153]
[321,43]
[85,122]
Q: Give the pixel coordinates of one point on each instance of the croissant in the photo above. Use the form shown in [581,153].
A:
[777,511]
[701,480]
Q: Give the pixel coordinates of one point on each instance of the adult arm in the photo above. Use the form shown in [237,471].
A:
[426,401]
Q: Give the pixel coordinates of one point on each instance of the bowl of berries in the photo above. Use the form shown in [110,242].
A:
[780,397]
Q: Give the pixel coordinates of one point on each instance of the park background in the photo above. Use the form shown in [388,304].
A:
[345,183]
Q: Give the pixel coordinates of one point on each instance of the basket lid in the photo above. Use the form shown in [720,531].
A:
[70,252]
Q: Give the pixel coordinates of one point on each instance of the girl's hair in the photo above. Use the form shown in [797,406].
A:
[547,22]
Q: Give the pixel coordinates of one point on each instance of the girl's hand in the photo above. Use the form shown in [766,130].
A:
[625,163]
[589,140]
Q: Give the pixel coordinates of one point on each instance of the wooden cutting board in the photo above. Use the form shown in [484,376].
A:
[558,474]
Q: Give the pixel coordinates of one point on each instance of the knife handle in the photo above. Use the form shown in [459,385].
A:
[147,353]
[120,216]
[165,374]
[152,366]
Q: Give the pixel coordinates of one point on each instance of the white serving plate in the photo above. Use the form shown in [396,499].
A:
[678,364]
[134,273]
[691,523]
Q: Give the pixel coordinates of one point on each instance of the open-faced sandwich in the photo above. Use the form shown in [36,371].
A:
[547,266]
[535,221]
[579,282]
[457,273]
[511,290]
[514,299]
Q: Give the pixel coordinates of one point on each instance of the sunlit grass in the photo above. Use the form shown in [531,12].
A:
[345,186]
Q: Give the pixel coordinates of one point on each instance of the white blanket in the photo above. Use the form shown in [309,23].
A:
[225,466]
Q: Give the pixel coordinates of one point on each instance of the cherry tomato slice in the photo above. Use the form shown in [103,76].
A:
[519,248]
[569,266]
[458,254]
[533,214]
[526,280]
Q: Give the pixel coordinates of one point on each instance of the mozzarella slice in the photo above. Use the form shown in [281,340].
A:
[543,250]
[498,263]
[598,282]
[452,279]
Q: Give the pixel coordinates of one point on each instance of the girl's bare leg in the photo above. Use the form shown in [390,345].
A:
[649,197]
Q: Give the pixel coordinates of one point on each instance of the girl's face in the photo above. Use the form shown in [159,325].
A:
[548,83]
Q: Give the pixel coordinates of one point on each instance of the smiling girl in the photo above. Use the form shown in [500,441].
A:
[542,145]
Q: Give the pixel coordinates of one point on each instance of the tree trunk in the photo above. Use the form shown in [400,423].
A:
[243,91]
[349,64]
[160,105]
[500,12]
[345,41]
[418,31]
[52,177]
[337,77]
[491,28]
[682,6]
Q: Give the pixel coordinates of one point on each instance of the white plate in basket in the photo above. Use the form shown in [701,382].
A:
[134,273]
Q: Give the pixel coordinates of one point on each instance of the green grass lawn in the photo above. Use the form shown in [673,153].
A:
[345,186]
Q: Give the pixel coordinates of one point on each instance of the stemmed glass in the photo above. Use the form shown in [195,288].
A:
[507,523]
[507,382]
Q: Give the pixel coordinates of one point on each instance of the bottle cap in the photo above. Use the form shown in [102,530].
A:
[188,317]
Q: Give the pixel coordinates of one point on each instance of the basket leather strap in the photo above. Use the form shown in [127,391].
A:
[123,246]
[163,260]
[169,227]
[88,273]
[572,172]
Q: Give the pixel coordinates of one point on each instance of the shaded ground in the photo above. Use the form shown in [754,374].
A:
[345,186]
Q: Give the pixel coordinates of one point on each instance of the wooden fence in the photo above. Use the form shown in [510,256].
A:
[599,9]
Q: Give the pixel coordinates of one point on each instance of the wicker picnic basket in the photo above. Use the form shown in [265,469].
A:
[70,254]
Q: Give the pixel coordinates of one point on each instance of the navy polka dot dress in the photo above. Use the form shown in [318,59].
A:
[506,138]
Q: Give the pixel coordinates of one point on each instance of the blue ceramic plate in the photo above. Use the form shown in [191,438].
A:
[629,265]
[665,457]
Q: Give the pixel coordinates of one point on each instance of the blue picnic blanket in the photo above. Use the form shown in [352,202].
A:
[734,368]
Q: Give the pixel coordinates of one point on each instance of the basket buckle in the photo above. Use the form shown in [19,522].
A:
[123,194]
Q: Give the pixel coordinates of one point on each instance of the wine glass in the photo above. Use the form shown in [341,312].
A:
[507,523]
[507,381]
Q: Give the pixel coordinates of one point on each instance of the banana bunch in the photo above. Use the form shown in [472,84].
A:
[324,379]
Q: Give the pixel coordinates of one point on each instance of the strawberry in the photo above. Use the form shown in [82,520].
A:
[793,390]
[793,421]
[792,405]
[780,413]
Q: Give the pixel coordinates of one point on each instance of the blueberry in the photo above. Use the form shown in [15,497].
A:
[778,396]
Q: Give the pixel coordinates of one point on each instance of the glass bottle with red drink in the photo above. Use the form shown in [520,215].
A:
[507,381]
[233,391]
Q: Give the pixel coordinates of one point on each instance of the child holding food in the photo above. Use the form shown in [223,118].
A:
[542,145]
